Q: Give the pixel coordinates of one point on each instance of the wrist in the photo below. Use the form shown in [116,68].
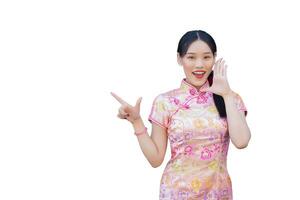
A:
[137,121]
[142,132]
[229,94]
[138,125]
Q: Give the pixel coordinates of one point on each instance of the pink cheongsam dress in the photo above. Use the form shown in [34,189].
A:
[199,142]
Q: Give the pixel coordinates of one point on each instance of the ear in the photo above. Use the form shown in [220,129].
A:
[179,59]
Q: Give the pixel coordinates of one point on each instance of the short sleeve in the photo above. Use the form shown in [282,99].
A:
[159,112]
[240,104]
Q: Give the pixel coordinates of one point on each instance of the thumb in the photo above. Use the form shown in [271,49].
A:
[138,102]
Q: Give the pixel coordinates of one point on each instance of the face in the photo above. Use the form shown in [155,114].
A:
[198,57]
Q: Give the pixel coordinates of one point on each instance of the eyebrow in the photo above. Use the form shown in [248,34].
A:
[195,53]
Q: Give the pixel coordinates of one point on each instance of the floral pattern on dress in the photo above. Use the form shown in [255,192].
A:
[199,141]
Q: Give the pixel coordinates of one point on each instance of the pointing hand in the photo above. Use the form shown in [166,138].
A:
[126,111]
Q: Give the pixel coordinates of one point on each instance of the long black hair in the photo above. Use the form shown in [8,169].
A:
[186,40]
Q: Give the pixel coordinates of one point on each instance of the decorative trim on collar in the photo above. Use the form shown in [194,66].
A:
[192,90]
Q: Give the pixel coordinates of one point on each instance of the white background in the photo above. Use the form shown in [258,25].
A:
[60,137]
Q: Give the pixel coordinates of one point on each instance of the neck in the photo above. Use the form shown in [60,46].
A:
[195,86]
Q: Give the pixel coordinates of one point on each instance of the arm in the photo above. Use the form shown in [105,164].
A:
[239,131]
[154,146]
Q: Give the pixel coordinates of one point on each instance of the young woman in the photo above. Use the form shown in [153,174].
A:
[199,118]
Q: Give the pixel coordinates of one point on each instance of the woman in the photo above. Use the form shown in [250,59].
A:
[199,119]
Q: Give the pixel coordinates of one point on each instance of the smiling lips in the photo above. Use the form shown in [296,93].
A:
[198,73]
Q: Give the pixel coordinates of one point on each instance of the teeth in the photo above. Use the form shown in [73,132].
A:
[198,72]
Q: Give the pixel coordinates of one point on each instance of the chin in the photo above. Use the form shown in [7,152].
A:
[199,81]
[196,82]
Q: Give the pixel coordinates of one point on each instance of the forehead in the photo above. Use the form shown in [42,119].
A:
[198,47]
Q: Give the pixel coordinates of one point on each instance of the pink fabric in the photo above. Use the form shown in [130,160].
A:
[199,143]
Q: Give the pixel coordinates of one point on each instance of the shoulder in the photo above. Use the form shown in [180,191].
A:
[167,95]
[166,98]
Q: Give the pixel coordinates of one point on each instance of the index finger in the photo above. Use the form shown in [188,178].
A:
[119,99]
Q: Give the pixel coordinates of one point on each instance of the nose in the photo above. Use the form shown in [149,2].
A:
[199,64]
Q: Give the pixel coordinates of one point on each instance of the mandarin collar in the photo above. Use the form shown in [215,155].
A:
[190,89]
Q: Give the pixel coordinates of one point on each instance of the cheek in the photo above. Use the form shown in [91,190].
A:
[209,65]
[188,65]
[209,62]
[188,68]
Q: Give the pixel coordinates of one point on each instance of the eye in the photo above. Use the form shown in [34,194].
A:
[190,57]
[206,57]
